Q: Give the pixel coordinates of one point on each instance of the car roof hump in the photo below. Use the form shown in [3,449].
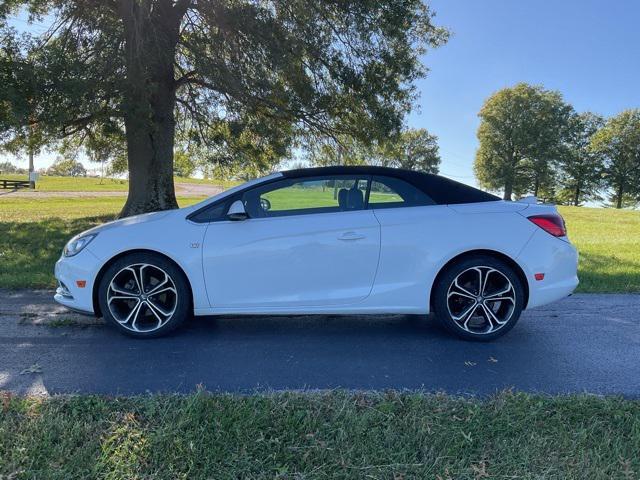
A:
[442,190]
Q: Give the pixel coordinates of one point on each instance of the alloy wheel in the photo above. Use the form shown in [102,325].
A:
[481,300]
[142,297]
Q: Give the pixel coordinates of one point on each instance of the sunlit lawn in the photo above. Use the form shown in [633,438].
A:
[609,244]
[33,232]
[301,198]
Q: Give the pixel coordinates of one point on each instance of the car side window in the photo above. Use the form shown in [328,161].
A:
[307,196]
[390,192]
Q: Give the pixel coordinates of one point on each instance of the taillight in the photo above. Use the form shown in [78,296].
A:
[552,224]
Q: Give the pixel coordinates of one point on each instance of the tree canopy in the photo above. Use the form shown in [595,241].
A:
[619,143]
[412,149]
[228,75]
[521,133]
[67,167]
[580,168]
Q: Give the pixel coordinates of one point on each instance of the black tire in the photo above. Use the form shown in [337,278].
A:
[448,297]
[150,268]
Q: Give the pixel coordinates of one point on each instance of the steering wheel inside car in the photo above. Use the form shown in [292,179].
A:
[265,204]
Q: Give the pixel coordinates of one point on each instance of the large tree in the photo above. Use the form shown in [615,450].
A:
[412,149]
[619,142]
[521,132]
[67,167]
[18,132]
[580,175]
[270,70]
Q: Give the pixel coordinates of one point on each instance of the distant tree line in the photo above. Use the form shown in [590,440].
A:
[10,168]
[533,142]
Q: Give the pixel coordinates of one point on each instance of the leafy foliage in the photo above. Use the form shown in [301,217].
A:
[67,168]
[580,175]
[619,142]
[411,149]
[8,167]
[226,74]
[183,165]
[521,133]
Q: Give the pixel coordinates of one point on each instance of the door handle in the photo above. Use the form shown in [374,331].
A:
[351,236]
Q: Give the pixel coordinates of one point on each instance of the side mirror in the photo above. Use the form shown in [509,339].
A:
[237,212]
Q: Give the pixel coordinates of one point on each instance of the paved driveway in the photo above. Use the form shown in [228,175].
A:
[586,343]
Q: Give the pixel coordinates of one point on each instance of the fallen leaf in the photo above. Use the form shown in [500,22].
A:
[35,368]
[6,401]
[480,470]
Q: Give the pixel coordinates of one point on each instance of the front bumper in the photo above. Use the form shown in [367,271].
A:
[70,272]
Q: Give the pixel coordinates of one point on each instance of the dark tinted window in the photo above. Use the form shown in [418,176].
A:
[213,213]
[390,192]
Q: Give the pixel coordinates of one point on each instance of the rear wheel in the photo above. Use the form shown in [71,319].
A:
[479,298]
[144,295]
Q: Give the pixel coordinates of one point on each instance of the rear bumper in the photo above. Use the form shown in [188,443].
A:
[558,260]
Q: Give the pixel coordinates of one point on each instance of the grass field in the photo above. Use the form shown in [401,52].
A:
[90,184]
[319,436]
[609,244]
[33,232]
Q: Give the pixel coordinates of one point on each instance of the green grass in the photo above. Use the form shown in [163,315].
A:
[300,198]
[609,244]
[33,232]
[320,436]
[89,184]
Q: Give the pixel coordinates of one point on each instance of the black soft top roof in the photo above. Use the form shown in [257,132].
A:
[442,190]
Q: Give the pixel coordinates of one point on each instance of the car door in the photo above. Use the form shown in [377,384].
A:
[412,228]
[307,242]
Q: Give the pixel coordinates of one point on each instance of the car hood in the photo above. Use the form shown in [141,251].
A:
[134,220]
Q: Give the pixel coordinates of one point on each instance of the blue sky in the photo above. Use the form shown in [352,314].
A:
[588,50]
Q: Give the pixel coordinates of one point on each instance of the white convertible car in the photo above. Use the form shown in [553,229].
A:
[340,240]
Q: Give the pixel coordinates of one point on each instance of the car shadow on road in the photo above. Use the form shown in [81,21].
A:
[314,324]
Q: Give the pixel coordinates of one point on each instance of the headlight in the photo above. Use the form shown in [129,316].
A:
[76,244]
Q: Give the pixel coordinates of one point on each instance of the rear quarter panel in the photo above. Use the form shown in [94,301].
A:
[416,242]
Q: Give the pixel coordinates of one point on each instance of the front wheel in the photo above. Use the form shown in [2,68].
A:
[479,298]
[144,295]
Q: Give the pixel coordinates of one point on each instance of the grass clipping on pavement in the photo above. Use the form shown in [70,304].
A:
[321,435]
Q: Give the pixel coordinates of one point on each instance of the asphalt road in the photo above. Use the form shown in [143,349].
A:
[585,343]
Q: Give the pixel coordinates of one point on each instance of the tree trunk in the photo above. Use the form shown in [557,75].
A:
[536,186]
[508,189]
[619,194]
[150,158]
[576,196]
[512,161]
[151,37]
